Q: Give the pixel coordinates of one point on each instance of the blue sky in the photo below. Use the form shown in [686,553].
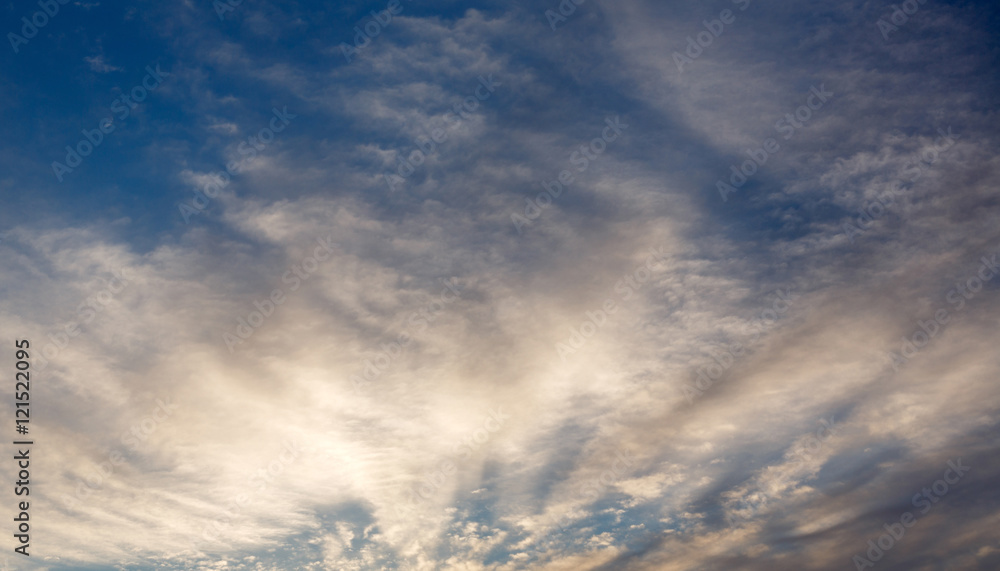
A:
[753,320]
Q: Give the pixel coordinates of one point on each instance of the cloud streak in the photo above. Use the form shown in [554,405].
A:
[423,328]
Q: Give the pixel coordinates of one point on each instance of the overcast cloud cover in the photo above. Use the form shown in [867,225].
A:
[375,343]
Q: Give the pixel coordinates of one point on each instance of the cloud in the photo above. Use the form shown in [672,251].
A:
[262,453]
[97,64]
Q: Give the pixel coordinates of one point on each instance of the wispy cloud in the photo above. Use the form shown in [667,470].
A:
[286,320]
[97,64]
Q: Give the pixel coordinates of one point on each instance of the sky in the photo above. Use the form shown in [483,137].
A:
[524,285]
